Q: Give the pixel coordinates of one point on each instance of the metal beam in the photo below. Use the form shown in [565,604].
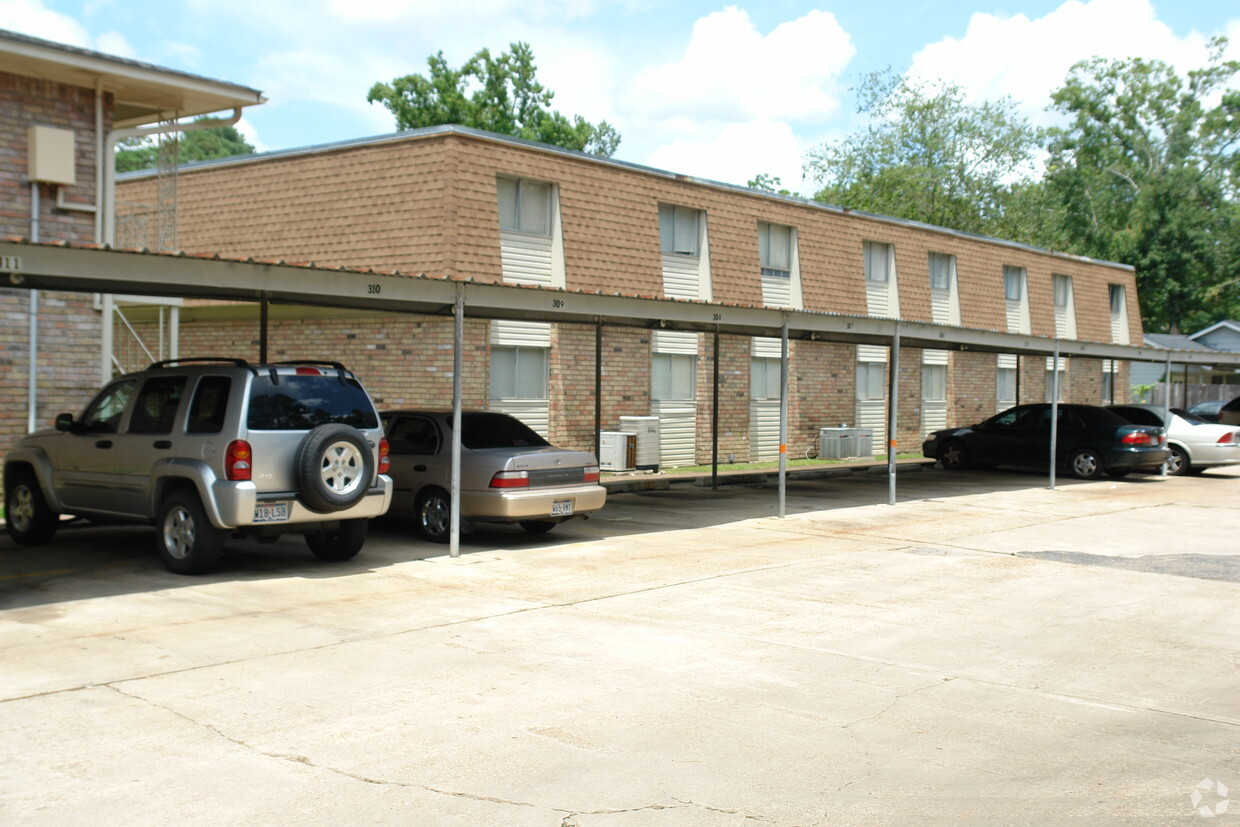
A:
[57,267]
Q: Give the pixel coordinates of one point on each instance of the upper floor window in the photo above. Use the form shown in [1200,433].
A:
[1013,283]
[941,267]
[1063,291]
[775,250]
[680,230]
[1119,314]
[878,262]
[524,206]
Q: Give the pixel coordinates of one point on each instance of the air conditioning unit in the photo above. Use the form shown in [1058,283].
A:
[647,430]
[617,450]
[841,443]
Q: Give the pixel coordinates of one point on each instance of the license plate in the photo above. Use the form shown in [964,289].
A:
[271,513]
[561,508]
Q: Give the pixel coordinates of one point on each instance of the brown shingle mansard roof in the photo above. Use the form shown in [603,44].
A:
[478,134]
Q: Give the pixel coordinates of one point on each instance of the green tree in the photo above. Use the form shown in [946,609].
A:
[1147,174]
[928,155]
[195,145]
[499,94]
[768,183]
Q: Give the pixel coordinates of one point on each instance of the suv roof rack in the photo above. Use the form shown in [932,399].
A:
[163,363]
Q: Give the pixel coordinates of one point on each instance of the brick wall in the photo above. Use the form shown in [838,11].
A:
[68,325]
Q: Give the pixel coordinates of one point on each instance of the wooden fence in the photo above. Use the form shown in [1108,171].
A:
[1182,395]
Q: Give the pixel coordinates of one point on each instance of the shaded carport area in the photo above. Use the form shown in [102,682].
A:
[91,269]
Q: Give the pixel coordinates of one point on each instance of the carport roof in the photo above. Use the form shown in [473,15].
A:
[94,268]
[142,92]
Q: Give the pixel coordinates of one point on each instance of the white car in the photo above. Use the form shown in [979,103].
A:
[1195,443]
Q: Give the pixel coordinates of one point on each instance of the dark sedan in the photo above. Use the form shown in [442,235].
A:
[1090,441]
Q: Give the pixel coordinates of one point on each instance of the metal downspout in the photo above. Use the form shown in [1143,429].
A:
[32,390]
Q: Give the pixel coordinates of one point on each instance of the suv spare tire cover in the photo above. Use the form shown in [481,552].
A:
[334,467]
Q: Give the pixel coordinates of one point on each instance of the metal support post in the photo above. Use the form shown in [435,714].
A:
[458,339]
[783,418]
[714,418]
[1054,413]
[893,396]
[598,388]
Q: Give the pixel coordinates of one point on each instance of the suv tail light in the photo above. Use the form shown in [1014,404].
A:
[511,479]
[304,371]
[385,462]
[591,474]
[1228,438]
[238,461]
[1140,438]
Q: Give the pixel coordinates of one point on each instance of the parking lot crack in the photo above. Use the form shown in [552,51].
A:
[899,697]
[570,819]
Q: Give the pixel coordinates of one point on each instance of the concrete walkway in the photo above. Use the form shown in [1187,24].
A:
[986,652]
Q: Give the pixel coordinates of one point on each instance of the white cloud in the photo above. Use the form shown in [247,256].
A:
[415,11]
[30,17]
[1027,58]
[321,77]
[250,133]
[114,43]
[737,153]
[730,72]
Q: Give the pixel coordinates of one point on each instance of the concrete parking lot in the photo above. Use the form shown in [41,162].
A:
[987,651]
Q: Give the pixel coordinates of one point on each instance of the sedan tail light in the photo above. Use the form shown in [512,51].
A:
[591,474]
[511,479]
[1141,438]
[238,461]
[385,462]
[1229,438]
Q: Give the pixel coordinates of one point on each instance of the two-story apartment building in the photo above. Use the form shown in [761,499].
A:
[462,203]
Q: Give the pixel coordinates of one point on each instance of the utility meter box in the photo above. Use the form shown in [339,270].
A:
[51,157]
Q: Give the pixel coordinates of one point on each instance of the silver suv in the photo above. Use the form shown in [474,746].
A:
[205,448]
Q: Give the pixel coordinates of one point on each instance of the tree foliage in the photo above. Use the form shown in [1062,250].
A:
[928,155]
[1146,173]
[195,145]
[499,94]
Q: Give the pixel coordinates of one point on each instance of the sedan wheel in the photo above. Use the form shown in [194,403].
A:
[434,515]
[1086,464]
[1178,463]
[954,456]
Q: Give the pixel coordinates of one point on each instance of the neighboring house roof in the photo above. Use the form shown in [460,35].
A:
[142,92]
[1226,324]
[1171,341]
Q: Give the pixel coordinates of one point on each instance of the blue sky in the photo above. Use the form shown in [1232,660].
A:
[717,90]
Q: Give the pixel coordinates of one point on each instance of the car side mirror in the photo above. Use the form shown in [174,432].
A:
[64,422]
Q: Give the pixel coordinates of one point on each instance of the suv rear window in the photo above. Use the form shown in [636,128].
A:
[300,402]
